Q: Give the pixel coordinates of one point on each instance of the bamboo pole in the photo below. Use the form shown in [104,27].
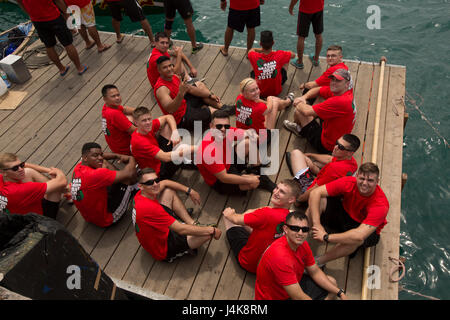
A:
[374,160]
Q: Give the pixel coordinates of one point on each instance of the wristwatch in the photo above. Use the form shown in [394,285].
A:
[340,292]
[325,237]
[189,191]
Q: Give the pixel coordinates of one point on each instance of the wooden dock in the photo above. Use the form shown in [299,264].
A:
[59,114]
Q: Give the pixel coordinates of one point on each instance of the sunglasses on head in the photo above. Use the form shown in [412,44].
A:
[151,182]
[220,126]
[341,147]
[297,228]
[16,167]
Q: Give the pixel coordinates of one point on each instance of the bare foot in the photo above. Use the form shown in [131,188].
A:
[103,47]
[90,44]
[120,39]
[223,51]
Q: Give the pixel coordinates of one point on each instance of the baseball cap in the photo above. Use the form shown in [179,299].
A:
[341,74]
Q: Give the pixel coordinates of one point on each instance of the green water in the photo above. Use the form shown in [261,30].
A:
[412,34]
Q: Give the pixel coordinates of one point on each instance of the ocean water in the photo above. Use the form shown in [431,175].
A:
[412,33]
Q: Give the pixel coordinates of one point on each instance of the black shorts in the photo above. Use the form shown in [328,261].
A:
[132,9]
[49,208]
[167,169]
[231,189]
[312,289]
[196,110]
[238,238]
[313,133]
[336,220]
[238,19]
[177,245]
[119,196]
[184,7]
[48,31]
[305,180]
[304,21]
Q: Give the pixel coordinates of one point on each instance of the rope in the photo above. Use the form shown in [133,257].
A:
[413,102]
[399,266]
[417,293]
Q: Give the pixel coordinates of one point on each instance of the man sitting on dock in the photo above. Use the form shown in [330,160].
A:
[287,269]
[50,24]
[268,65]
[24,188]
[220,166]
[99,191]
[162,43]
[337,113]
[250,233]
[353,207]
[116,124]
[312,170]
[153,141]
[187,103]
[157,209]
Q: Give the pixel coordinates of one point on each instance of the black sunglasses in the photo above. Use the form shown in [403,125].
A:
[297,228]
[220,126]
[341,147]
[151,182]
[16,167]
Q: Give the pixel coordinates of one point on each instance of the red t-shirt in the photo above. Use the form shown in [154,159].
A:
[145,147]
[250,114]
[151,223]
[79,3]
[281,266]
[370,210]
[213,157]
[152,68]
[324,79]
[264,223]
[267,68]
[338,114]
[41,10]
[244,4]
[334,170]
[174,87]
[115,125]
[90,194]
[21,198]
[310,6]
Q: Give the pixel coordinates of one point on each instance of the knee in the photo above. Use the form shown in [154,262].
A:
[297,153]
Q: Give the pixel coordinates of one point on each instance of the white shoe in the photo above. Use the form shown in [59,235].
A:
[291,126]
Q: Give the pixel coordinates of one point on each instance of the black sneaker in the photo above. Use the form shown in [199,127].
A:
[288,162]
[266,184]
[198,47]
[229,109]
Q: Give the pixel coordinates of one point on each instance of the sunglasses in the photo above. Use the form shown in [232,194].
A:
[151,182]
[341,147]
[297,228]
[220,126]
[15,168]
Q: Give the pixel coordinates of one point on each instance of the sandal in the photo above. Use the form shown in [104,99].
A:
[314,62]
[295,63]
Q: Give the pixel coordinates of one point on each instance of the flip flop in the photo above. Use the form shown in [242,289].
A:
[225,55]
[92,44]
[84,70]
[105,47]
[65,71]
[121,39]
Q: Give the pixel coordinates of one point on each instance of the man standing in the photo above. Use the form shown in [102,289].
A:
[310,12]
[280,274]
[187,103]
[337,113]
[268,65]
[153,141]
[156,210]
[116,125]
[161,48]
[134,12]
[215,161]
[242,13]
[24,189]
[51,24]
[100,192]
[250,233]
[185,10]
[312,170]
[356,209]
